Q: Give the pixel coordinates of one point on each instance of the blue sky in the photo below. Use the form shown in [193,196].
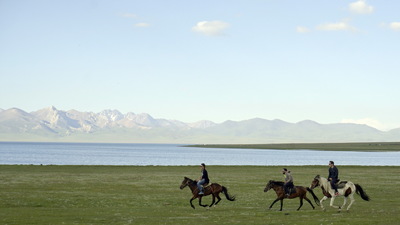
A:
[328,61]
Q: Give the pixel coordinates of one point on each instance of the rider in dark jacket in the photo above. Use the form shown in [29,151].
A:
[203,179]
[333,176]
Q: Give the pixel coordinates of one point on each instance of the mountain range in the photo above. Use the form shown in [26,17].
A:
[51,124]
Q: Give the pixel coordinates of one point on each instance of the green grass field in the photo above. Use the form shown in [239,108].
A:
[151,195]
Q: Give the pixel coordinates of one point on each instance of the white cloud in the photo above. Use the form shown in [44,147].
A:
[360,7]
[395,26]
[211,28]
[142,25]
[367,121]
[301,29]
[336,26]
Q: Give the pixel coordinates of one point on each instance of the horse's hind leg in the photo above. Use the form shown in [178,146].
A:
[301,203]
[308,200]
[351,201]
[213,200]
[344,203]
[219,198]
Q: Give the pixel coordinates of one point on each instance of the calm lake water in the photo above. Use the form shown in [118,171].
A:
[170,154]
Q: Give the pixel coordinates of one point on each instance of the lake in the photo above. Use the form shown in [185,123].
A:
[16,153]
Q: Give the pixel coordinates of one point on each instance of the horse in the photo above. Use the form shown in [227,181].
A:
[345,188]
[300,192]
[213,189]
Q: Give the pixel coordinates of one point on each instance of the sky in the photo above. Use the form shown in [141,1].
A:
[327,61]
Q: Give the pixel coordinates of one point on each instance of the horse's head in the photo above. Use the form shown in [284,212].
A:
[269,186]
[185,182]
[316,182]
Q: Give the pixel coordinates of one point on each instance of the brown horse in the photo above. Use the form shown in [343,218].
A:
[299,191]
[213,189]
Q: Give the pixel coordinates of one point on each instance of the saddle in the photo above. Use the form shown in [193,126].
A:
[292,190]
[340,184]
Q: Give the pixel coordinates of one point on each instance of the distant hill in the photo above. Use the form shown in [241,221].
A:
[51,124]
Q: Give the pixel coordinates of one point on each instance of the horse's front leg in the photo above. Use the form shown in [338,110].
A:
[281,204]
[321,201]
[273,203]
[333,200]
[200,202]
[191,204]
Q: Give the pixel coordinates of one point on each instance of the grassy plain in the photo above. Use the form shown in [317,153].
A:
[352,146]
[151,195]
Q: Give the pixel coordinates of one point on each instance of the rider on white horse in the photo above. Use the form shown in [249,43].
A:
[330,190]
[333,176]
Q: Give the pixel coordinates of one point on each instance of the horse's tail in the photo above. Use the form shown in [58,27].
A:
[225,190]
[361,192]
[314,196]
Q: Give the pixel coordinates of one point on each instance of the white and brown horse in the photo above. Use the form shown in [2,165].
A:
[345,188]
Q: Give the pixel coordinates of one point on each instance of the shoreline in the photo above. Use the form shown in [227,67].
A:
[353,146]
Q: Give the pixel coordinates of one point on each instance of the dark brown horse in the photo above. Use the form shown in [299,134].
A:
[300,192]
[213,189]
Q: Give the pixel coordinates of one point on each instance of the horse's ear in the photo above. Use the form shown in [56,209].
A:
[316,177]
[185,177]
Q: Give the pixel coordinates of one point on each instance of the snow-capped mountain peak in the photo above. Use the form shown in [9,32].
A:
[112,115]
[51,124]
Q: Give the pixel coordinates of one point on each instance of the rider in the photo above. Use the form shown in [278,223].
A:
[288,181]
[203,179]
[333,176]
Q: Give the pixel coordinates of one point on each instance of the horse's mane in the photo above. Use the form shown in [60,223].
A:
[191,181]
[324,183]
[278,183]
